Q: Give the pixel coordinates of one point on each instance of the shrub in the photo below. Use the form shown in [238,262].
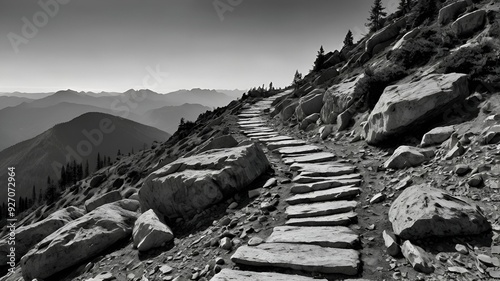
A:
[480,61]
[373,84]
[424,12]
[413,53]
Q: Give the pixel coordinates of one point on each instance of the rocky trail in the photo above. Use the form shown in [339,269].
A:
[316,237]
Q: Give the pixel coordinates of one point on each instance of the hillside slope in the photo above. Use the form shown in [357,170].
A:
[39,157]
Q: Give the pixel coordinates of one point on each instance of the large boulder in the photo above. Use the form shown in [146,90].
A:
[408,156]
[310,104]
[468,23]
[150,232]
[79,240]
[450,12]
[408,36]
[401,107]
[437,135]
[422,211]
[188,185]
[339,98]
[100,200]
[288,111]
[385,34]
[28,236]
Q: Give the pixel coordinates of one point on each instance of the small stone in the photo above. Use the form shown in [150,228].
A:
[254,241]
[270,183]
[461,249]
[232,206]
[495,250]
[219,261]
[457,269]
[225,243]
[417,257]
[377,198]
[475,180]
[487,260]
[165,269]
[224,221]
[462,169]
[441,257]
[391,244]
[404,183]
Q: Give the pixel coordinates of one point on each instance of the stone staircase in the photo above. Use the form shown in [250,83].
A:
[316,237]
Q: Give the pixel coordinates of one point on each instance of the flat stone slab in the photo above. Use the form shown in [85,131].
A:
[237,275]
[322,185]
[330,194]
[330,220]
[325,170]
[320,209]
[262,134]
[325,236]
[315,166]
[303,257]
[298,149]
[307,179]
[257,130]
[311,158]
[276,139]
[285,143]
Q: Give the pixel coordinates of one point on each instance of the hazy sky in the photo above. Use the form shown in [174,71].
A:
[115,45]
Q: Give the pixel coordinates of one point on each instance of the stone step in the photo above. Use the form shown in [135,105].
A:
[307,179]
[258,138]
[298,149]
[257,130]
[325,236]
[310,158]
[285,143]
[320,209]
[322,185]
[330,169]
[262,134]
[329,220]
[311,258]
[276,139]
[336,193]
[237,275]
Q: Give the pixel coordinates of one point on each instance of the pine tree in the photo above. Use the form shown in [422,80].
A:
[404,7]
[87,169]
[99,163]
[33,195]
[376,15]
[320,60]
[349,40]
[296,78]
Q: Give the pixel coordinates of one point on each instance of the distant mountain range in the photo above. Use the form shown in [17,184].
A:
[84,136]
[22,118]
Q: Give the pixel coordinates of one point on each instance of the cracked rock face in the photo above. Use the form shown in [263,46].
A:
[422,211]
[403,106]
[188,185]
[79,240]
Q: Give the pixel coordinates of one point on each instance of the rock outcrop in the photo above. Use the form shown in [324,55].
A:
[150,232]
[226,141]
[188,185]
[450,12]
[79,240]
[98,201]
[417,257]
[339,98]
[405,105]
[28,236]
[387,33]
[468,23]
[422,211]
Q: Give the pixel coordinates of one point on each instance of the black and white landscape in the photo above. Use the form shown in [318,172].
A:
[249,140]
